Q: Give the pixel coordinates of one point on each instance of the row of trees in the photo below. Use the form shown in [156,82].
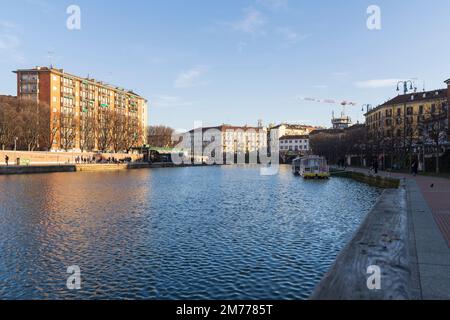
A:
[113,130]
[160,136]
[24,125]
[28,125]
[414,137]
[335,145]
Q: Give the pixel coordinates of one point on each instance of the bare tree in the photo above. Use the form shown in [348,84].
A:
[87,131]
[25,120]
[9,129]
[160,136]
[435,132]
[68,131]
[29,115]
[118,131]
[104,129]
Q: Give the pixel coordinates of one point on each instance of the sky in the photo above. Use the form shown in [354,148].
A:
[234,61]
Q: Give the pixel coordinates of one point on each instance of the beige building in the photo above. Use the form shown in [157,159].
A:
[233,139]
[286,129]
[85,112]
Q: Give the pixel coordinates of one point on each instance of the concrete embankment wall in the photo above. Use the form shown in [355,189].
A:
[38,158]
[375,181]
[381,241]
[10,170]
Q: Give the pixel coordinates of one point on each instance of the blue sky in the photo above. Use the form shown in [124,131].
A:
[234,61]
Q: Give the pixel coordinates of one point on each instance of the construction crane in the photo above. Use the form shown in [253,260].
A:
[340,122]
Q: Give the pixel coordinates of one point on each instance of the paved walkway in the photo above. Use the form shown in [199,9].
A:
[429,224]
[436,192]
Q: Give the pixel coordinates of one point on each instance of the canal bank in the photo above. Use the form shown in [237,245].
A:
[407,236]
[36,169]
[370,179]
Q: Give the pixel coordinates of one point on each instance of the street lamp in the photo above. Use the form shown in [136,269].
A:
[405,91]
[367,106]
[405,86]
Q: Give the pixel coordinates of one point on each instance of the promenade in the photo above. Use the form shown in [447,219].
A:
[428,205]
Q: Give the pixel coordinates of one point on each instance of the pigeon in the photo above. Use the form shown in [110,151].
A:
[432,185]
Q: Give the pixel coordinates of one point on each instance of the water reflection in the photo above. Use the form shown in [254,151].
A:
[192,233]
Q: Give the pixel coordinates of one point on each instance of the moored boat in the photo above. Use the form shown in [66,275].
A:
[311,167]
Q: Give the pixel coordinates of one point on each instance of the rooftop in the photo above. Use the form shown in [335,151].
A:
[414,97]
[88,79]
[294,126]
[296,137]
[225,127]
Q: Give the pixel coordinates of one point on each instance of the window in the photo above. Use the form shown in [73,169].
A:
[420,109]
[433,108]
[409,111]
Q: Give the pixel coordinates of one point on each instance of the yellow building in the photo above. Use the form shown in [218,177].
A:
[405,116]
[86,114]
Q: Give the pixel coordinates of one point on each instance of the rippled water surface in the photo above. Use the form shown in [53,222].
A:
[187,233]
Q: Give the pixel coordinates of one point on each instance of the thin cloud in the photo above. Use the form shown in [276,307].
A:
[252,23]
[376,83]
[290,36]
[44,6]
[163,101]
[241,46]
[10,42]
[275,5]
[192,77]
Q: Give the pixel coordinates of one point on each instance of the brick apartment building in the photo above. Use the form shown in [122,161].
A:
[75,101]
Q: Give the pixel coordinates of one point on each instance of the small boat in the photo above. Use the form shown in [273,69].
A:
[311,167]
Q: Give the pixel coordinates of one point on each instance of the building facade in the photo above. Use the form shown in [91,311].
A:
[409,127]
[86,114]
[286,129]
[406,116]
[232,140]
[296,144]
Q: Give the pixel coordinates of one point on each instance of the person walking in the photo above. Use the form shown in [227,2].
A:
[375,166]
[7,160]
[415,168]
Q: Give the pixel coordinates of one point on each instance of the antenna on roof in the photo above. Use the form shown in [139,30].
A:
[424,86]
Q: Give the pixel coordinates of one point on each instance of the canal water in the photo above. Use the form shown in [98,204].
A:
[184,233]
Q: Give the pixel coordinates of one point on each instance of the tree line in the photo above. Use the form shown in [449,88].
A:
[28,125]
[24,125]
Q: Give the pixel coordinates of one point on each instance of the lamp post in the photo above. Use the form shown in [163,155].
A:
[368,108]
[405,91]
